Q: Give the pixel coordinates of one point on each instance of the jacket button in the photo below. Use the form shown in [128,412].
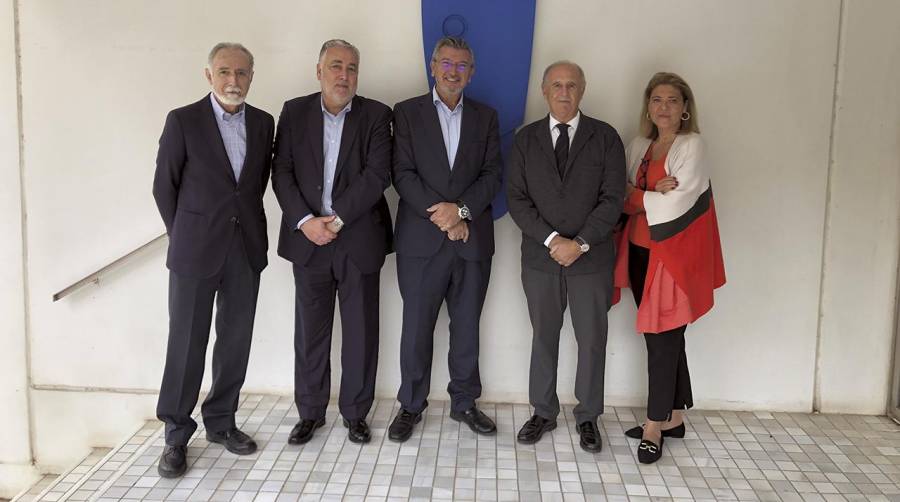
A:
[234,220]
[319,187]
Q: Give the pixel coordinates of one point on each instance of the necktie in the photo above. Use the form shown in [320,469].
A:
[562,148]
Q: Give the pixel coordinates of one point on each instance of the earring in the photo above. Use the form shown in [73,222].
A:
[685,116]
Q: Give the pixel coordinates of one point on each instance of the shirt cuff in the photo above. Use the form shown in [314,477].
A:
[304,220]
[550,238]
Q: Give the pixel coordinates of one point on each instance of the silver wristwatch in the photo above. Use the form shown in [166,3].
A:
[338,222]
[462,210]
[585,247]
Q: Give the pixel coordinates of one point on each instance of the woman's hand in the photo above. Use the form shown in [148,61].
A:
[666,184]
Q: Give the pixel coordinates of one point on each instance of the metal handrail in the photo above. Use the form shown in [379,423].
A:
[94,278]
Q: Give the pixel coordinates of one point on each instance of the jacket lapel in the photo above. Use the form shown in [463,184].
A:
[466,133]
[432,125]
[314,134]
[216,143]
[546,142]
[251,122]
[348,135]
[582,135]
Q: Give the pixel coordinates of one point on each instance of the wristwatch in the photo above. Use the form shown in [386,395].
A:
[338,222]
[463,210]
[585,247]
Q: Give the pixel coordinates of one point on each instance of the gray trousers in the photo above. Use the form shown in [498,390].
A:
[589,297]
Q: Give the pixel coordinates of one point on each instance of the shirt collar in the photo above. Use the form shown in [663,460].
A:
[437,100]
[342,112]
[221,113]
[573,124]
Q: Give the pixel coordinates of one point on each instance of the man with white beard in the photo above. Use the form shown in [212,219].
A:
[212,169]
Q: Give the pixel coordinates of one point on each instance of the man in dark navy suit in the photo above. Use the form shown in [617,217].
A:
[332,164]
[211,172]
[447,172]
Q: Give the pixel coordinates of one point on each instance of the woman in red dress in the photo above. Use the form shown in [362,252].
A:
[669,254]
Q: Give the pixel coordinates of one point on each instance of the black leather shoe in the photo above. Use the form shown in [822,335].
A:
[638,432]
[534,428]
[402,426]
[303,431]
[590,436]
[357,430]
[172,462]
[234,441]
[649,452]
[476,420]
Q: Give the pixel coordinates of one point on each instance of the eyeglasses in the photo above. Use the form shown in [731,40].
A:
[447,65]
[642,174]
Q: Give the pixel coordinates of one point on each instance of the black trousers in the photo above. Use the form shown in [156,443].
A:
[234,289]
[313,322]
[424,285]
[667,369]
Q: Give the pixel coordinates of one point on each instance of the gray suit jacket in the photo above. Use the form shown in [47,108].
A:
[586,202]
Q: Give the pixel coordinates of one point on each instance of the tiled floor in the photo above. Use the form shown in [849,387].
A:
[724,456]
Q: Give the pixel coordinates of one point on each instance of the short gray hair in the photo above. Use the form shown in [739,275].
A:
[563,62]
[337,42]
[221,46]
[453,43]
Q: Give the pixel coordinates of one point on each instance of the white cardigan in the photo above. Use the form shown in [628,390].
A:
[686,161]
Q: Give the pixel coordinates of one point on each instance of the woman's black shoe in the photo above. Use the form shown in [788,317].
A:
[674,432]
[649,452]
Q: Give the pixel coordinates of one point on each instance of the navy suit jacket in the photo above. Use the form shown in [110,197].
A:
[198,197]
[362,174]
[422,176]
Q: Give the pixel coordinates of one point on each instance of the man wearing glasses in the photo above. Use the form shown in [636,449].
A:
[447,171]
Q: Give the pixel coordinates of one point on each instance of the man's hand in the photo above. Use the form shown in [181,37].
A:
[316,230]
[459,231]
[564,251]
[445,215]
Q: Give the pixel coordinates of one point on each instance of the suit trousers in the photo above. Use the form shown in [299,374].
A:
[424,285]
[313,322]
[234,289]
[669,381]
[589,297]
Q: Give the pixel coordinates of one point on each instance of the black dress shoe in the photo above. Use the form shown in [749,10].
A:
[172,462]
[534,428]
[402,426]
[357,430]
[590,436]
[476,420]
[234,441]
[303,431]
[649,452]
[638,432]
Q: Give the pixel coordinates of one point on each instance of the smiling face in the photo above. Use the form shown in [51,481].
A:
[563,88]
[452,69]
[229,75]
[338,73]
[666,105]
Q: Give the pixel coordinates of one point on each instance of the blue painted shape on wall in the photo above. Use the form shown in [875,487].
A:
[501,33]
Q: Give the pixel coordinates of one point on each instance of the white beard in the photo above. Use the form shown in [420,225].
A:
[229,99]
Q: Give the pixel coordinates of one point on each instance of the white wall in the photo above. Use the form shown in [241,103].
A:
[15,448]
[860,267]
[96,92]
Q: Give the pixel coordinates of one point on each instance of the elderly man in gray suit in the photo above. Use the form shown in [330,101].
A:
[565,189]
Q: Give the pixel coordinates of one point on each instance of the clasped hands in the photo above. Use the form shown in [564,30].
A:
[320,230]
[664,185]
[445,215]
[564,251]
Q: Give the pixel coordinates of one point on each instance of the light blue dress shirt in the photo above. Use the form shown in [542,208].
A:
[332,130]
[451,123]
[233,128]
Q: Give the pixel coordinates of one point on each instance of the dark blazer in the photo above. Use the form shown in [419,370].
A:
[586,202]
[422,176]
[362,174]
[197,196]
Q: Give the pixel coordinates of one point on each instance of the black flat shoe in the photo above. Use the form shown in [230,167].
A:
[357,430]
[534,428]
[590,437]
[638,432]
[172,462]
[649,452]
[233,440]
[476,420]
[402,426]
[303,431]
